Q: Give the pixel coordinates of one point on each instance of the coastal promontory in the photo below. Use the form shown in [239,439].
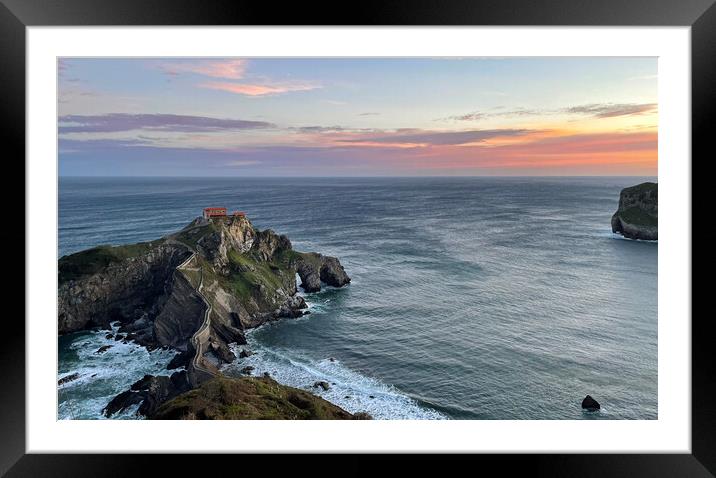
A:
[637,215]
[195,291]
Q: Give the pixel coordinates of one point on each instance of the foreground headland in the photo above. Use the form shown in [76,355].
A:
[196,292]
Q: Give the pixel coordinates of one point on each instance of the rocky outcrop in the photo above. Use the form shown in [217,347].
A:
[637,215]
[107,284]
[150,392]
[590,404]
[68,378]
[314,268]
[232,234]
[181,316]
[247,278]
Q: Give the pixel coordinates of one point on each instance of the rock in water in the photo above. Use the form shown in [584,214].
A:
[590,404]
[322,384]
[68,378]
[637,215]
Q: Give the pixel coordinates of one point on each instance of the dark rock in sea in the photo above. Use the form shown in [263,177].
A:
[322,384]
[310,278]
[221,351]
[637,215]
[245,353]
[119,337]
[181,360]
[371,396]
[590,404]
[150,392]
[248,370]
[332,272]
[314,268]
[68,378]
[266,374]
[109,336]
[103,349]
[121,402]
[331,359]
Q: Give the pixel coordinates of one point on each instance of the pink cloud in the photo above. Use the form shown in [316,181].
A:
[231,69]
[249,89]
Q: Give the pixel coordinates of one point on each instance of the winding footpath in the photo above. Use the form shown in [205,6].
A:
[198,373]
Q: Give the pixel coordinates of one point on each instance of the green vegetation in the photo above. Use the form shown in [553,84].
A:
[248,398]
[637,216]
[190,236]
[93,260]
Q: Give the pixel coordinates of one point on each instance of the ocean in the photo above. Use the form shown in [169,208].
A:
[471,298]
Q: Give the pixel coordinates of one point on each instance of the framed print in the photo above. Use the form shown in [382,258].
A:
[416,230]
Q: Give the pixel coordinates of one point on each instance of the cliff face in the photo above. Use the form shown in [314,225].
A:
[107,284]
[637,215]
[247,276]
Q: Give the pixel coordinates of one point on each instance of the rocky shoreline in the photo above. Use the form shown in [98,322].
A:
[196,292]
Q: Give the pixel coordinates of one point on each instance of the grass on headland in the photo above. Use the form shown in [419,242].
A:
[91,261]
[248,398]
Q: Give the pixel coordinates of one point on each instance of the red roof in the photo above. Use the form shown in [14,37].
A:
[214,209]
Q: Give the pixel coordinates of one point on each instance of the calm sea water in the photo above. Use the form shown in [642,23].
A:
[471,298]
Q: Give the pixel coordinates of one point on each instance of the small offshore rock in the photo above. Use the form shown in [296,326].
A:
[590,404]
[103,349]
[322,384]
[245,353]
[108,336]
[247,370]
[68,378]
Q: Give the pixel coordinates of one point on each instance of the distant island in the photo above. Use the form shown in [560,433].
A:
[637,215]
[196,291]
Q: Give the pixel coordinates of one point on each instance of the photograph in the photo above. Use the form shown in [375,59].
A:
[357,238]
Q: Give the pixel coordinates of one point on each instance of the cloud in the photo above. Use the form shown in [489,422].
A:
[602,153]
[369,114]
[436,138]
[260,89]
[596,110]
[233,69]
[243,162]
[115,122]
[610,110]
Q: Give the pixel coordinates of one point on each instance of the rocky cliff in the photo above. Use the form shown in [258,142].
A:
[637,215]
[195,291]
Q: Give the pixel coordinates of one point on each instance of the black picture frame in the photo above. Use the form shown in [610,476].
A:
[16,15]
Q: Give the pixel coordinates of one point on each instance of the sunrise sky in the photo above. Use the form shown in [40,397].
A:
[357,117]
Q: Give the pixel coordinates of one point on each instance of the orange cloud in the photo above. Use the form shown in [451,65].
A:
[248,89]
[231,69]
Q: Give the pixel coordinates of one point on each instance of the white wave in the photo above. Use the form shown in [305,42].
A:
[103,376]
[349,389]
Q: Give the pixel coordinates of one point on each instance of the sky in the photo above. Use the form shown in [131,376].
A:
[551,116]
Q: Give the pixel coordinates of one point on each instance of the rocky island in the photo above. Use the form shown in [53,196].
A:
[637,215]
[196,292]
